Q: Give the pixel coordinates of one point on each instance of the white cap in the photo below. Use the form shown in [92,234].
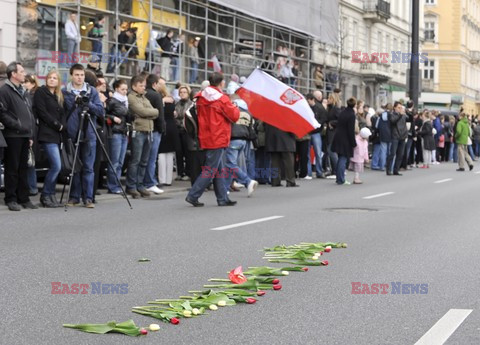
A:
[365,133]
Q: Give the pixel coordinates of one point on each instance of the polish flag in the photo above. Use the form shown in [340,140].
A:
[215,64]
[277,104]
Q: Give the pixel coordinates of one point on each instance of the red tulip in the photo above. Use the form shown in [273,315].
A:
[275,281]
[143,331]
[174,321]
[250,300]
[325,262]
[277,287]
[327,250]
[305,269]
[236,276]
[260,293]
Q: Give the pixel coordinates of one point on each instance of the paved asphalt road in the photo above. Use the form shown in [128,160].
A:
[423,233]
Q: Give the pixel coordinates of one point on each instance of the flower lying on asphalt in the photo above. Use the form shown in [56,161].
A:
[143,331]
[174,321]
[236,276]
[213,307]
[154,327]
[127,328]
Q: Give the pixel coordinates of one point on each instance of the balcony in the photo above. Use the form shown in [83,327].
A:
[427,85]
[373,72]
[376,11]
[474,56]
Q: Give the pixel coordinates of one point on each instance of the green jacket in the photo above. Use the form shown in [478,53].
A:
[143,111]
[462,132]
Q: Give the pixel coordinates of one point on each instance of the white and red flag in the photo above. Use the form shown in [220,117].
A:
[277,104]
[215,64]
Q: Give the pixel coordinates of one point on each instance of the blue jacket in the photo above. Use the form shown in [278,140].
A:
[72,110]
[384,129]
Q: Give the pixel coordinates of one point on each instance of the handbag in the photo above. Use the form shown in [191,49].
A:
[31,158]
[67,154]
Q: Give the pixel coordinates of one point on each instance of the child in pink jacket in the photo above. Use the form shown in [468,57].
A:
[360,154]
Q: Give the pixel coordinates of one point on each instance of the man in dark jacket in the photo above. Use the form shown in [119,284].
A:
[315,102]
[154,84]
[167,49]
[344,139]
[281,146]
[398,124]
[19,122]
[215,115]
[79,96]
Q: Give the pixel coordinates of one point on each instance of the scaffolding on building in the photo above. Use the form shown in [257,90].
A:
[240,42]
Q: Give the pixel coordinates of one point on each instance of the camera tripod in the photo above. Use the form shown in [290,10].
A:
[82,129]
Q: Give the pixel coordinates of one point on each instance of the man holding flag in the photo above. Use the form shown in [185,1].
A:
[216,113]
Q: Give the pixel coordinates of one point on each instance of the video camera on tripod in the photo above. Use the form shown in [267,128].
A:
[83,99]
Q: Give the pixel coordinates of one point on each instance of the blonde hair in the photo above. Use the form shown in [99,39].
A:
[58,88]
[183,86]
[334,99]
[164,91]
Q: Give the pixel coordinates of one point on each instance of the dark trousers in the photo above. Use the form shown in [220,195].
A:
[15,160]
[197,161]
[303,157]
[183,166]
[288,160]
[419,150]
[396,152]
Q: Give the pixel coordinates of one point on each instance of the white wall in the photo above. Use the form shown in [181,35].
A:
[8,30]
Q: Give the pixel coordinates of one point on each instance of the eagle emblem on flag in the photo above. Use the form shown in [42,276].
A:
[290,97]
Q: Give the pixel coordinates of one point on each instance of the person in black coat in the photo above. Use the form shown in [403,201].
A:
[344,139]
[170,142]
[48,101]
[281,146]
[428,141]
[19,123]
[334,105]
[118,120]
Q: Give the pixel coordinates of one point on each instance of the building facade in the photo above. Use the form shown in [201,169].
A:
[451,77]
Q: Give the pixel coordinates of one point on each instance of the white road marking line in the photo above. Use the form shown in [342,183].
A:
[443,181]
[377,195]
[226,227]
[444,328]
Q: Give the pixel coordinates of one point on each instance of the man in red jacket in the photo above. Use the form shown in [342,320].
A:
[216,113]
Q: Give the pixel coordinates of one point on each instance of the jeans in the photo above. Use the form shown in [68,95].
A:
[333,159]
[470,151]
[384,148]
[71,48]
[97,48]
[82,184]
[174,63]
[118,148]
[316,142]
[214,160]
[193,72]
[377,148]
[477,149]
[395,155]
[231,157]
[150,179]
[341,166]
[453,152]
[250,159]
[52,151]
[141,144]
[32,180]
[262,159]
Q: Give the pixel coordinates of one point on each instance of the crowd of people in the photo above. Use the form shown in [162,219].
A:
[200,136]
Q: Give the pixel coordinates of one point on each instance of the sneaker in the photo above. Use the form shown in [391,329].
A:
[251,187]
[346,183]
[29,205]
[144,193]
[155,190]
[89,204]
[307,178]
[331,177]
[238,185]
[72,203]
[185,178]
[357,181]
[133,193]
[13,206]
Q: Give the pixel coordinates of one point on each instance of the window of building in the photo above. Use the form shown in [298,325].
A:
[429,30]
[380,42]
[430,2]
[429,69]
